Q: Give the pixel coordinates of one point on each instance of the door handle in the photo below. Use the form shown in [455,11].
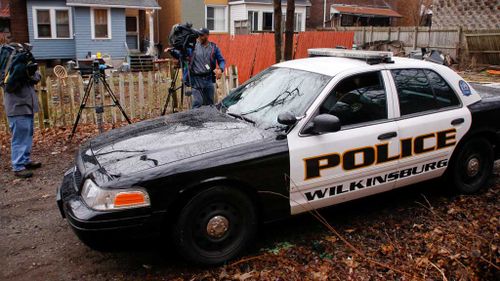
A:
[457,121]
[387,136]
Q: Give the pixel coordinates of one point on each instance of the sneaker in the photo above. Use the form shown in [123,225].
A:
[33,165]
[24,174]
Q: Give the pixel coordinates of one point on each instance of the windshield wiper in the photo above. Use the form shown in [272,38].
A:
[239,116]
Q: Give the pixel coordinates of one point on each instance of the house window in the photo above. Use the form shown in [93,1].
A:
[43,24]
[347,20]
[216,18]
[62,23]
[52,23]
[253,20]
[267,21]
[298,22]
[101,23]
[241,27]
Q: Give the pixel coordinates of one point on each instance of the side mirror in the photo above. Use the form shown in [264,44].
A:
[323,123]
[287,118]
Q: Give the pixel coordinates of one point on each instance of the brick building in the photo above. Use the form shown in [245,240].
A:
[477,14]
[13,21]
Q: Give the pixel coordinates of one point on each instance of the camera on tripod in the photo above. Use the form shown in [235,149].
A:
[94,68]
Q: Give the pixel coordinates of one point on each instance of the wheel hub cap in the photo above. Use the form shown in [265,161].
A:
[217,226]
[473,167]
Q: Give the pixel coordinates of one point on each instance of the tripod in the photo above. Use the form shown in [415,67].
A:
[96,78]
[173,89]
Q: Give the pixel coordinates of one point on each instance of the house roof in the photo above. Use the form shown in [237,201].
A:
[270,2]
[5,13]
[136,4]
[366,11]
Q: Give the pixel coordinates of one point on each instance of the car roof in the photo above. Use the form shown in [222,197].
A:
[332,66]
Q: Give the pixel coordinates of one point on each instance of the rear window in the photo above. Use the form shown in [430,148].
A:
[422,90]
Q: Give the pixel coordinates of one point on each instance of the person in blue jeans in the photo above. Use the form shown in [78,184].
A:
[20,106]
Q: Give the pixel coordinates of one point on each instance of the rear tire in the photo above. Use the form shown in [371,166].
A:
[216,225]
[472,166]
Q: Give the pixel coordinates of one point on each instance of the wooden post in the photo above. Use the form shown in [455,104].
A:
[151,95]
[41,120]
[371,35]
[62,111]
[81,92]
[364,35]
[72,98]
[112,85]
[389,34]
[459,47]
[121,89]
[3,114]
[415,40]
[51,111]
[141,95]
[131,94]
[399,33]
[44,95]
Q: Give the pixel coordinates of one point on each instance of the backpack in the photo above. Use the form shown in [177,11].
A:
[17,66]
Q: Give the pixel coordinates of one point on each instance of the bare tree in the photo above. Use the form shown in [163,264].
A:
[278,34]
[290,16]
[415,11]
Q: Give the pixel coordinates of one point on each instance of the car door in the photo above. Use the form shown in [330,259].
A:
[354,162]
[431,122]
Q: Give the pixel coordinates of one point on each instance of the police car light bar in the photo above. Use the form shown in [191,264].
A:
[371,57]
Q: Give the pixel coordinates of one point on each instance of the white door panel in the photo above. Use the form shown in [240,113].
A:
[440,138]
[336,167]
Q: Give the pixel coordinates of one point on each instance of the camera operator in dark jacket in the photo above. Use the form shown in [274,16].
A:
[21,103]
[202,71]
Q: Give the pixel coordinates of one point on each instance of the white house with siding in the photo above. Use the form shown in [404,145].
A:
[249,16]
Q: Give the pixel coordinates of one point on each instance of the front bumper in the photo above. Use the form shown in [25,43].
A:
[84,220]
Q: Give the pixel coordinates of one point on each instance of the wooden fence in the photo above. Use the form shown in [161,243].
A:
[484,45]
[141,94]
[255,52]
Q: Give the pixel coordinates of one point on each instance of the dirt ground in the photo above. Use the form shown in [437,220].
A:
[417,233]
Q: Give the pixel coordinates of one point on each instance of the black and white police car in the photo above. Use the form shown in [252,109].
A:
[301,135]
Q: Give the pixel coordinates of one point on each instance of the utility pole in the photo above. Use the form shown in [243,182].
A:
[278,31]
[290,21]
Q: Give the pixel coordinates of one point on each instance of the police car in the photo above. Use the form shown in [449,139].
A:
[301,135]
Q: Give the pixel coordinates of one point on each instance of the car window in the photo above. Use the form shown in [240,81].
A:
[422,90]
[445,96]
[357,99]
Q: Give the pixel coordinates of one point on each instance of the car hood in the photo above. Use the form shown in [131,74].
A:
[165,140]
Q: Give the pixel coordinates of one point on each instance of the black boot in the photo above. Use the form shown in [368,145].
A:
[33,165]
[24,174]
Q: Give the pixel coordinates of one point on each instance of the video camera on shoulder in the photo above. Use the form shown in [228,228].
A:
[183,39]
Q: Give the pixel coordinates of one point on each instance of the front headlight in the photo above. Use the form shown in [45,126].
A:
[104,199]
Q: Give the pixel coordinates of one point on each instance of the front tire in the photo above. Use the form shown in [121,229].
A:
[216,225]
[473,166]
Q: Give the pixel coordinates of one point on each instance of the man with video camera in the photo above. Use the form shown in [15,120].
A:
[21,103]
[201,57]
[204,71]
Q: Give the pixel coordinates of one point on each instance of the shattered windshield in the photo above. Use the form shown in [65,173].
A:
[274,91]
